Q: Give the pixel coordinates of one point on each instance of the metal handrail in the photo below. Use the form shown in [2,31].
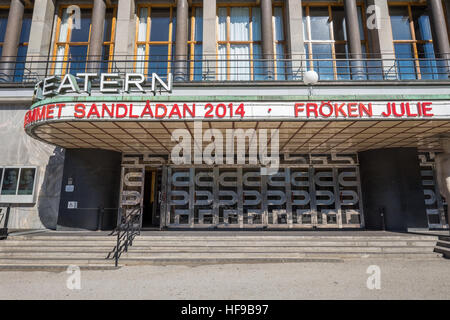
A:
[236,68]
[126,230]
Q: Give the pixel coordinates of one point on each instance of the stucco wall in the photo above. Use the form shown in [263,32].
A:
[17,148]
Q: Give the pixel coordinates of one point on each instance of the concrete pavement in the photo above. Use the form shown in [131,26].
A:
[400,279]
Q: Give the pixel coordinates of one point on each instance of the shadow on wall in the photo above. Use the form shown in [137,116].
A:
[50,190]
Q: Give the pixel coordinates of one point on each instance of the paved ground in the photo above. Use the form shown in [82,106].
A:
[400,279]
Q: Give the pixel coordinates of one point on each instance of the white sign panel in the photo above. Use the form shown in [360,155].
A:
[251,111]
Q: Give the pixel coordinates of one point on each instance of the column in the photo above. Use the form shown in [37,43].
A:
[96,40]
[209,40]
[124,47]
[381,41]
[354,40]
[40,42]
[294,38]
[440,35]
[443,172]
[181,49]
[267,38]
[12,37]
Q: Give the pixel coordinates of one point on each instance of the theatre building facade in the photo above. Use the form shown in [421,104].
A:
[224,115]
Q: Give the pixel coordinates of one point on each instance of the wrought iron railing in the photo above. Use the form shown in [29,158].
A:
[238,68]
[128,227]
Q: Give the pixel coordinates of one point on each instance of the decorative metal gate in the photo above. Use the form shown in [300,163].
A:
[308,191]
[132,186]
[434,202]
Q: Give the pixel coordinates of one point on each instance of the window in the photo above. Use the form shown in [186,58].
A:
[279,43]
[23,40]
[413,43]
[17,184]
[195,43]
[23,45]
[155,39]
[155,45]
[325,37]
[3,23]
[239,43]
[72,40]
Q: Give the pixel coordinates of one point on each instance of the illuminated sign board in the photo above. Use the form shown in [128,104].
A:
[251,111]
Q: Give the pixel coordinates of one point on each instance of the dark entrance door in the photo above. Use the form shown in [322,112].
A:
[151,204]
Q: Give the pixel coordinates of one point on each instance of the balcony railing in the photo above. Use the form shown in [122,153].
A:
[235,69]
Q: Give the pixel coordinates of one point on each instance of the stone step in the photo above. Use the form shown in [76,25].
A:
[55,247]
[152,250]
[228,238]
[57,254]
[443,250]
[261,243]
[30,243]
[442,243]
[64,251]
[212,247]
[20,266]
[245,258]
[56,261]
[181,242]
[191,255]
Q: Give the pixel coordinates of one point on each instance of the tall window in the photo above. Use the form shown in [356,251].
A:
[239,43]
[23,44]
[413,42]
[23,40]
[326,40]
[3,23]
[195,43]
[155,45]
[155,39]
[72,40]
[279,43]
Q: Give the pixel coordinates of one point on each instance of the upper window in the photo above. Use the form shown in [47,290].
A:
[195,43]
[155,39]
[239,43]
[23,40]
[325,37]
[413,42]
[155,44]
[72,40]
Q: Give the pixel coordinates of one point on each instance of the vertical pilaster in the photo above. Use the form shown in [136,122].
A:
[125,35]
[39,45]
[267,38]
[181,52]
[381,40]
[294,38]
[96,40]
[440,34]
[12,37]
[354,39]
[209,39]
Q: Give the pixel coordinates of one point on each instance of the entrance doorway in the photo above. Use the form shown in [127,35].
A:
[151,203]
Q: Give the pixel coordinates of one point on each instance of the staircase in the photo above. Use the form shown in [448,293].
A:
[90,250]
[443,246]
